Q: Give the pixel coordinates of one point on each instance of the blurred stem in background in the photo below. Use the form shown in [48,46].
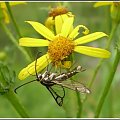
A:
[23,50]
[115,18]
[113,70]
[7,80]
[113,31]
[108,84]
[13,20]
[8,32]
[79,113]
[79,110]
[12,98]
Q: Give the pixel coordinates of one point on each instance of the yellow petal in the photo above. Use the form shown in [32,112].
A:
[58,24]
[98,4]
[89,38]
[42,62]
[49,23]
[91,51]
[42,30]
[64,17]
[75,31]
[33,42]
[67,26]
[16,3]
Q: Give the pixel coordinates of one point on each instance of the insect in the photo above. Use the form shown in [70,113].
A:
[49,80]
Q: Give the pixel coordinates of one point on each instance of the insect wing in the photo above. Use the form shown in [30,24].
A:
[73,85]
[57,92]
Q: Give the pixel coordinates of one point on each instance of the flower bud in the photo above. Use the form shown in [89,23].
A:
[115,11]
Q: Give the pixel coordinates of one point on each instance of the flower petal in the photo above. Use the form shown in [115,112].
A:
[67,26]
[98,4]
[58,24]
[89,38]
[75,31]
[49,23]
[42,30]
[33,42]
[91,51]
[42,62]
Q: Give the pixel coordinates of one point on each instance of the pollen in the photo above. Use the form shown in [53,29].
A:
[58,11]
[60,48]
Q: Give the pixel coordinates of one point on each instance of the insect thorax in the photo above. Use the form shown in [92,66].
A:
[46,78]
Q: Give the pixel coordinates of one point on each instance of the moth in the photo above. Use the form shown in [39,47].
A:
[51,79]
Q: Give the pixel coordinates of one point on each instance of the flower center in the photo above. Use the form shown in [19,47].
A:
[60,48]
[57,11]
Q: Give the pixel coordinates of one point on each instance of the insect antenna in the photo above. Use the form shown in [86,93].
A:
[15,90]
[35,66]
[30,73]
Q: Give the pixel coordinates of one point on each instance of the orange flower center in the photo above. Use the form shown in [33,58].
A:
[60,48]
[58,11]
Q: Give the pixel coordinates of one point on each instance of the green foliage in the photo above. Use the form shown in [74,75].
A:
[7,77]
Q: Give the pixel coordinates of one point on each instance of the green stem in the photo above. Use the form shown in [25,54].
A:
[79,105]
[101,61]
[7,31]
[10,95]
[110,104]
[12,18]
[78,97]
[108,84]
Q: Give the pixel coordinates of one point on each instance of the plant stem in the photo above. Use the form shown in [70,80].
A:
[7,31]
[79,105]
[108,84]
[12,18]
[10,95]
[101,60]
[78,97]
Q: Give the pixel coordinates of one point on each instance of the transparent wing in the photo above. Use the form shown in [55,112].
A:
[57,92]
[73,85]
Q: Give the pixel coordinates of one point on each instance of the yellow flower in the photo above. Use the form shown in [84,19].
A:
[57,17]
[4,10]
[114,9]
[55,21]
[60,45]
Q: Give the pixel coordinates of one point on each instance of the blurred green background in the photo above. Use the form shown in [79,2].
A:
[37,100]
